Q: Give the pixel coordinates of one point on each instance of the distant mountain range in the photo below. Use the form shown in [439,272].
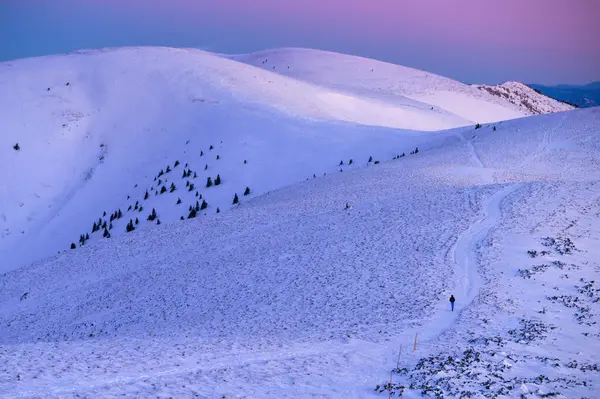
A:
[580,96]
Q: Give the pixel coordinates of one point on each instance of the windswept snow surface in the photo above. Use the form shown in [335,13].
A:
[309,290]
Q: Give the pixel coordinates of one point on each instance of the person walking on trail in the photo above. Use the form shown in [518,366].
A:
[452,300]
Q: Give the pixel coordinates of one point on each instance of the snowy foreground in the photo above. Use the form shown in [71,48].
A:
[311,286]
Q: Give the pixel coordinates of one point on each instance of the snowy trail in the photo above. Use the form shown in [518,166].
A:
[467,279]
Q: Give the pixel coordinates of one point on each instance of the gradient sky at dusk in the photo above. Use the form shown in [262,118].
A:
[486,41]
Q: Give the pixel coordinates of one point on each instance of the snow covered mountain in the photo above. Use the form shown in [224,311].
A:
[311,289]
[95,129]
[402,86]
[365,210]
[529,100]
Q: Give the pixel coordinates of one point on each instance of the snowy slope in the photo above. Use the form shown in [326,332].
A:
[94,130]
[311,289]
[525,97]
[406,87]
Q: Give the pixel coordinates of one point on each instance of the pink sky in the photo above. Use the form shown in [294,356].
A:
[537,41]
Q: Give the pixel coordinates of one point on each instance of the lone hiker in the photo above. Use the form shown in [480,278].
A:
[452,300]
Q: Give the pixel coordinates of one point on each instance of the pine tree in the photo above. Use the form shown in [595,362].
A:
[201,153]
[370,159]
[209,182]
[163,190]
[141,208]
[236,199]
[94,228]
[168,169]
[218,157]
[130,226]
[105,233]
[110,226]
[417,150]
[178,201]
[477,126]
[157,221]
[191,187]
[119,214]
[205,166]
[172,187]
[197,207]
[218,210]
[192,214]
[159,182]
[204,205]
[104,224]
[247,191]
[341,163]
[152,216]
[245,162]
[195,175]
[211,147]
[218,180]
[137,221]
[184,174]
[376,162]
[350,162]
[73,246]
[182,218]
[128,209]
[161,173]
[494,128]
[16,147]
[176,164]
[104,214]
[146,195]
[112,217]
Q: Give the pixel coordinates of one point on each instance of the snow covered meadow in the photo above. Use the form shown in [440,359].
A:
[310,285]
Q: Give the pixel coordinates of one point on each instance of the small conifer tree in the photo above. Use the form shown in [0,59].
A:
[191,187]
[218,180]
[17,147]
[172,187]
[119,214]
[157,221]
[218,157]
[146,195]
[168,169]
[192,214]
[245,162]
[236,199]
[73,246]
[209,182]
[176,164]
[129,228]
[218,210]
[370,159]
[350,162]
[201,153]
[205,166]
[137,221]
[204,205]
[211,147]
[247,191]
[178,201]
[195,175]
[163,190]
